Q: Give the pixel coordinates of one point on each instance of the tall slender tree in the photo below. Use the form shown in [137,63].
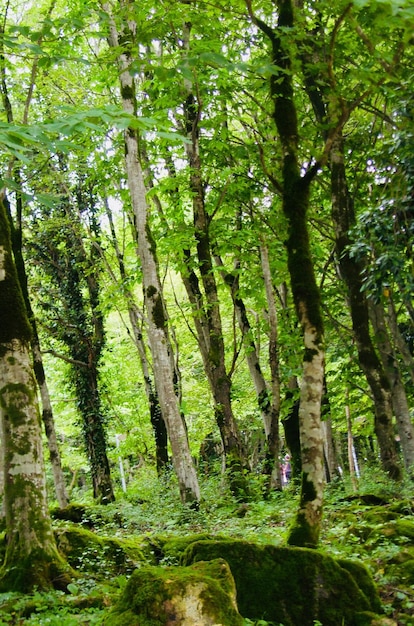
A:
[295,192]
[122,40]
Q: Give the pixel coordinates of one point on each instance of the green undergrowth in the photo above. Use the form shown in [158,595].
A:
[148,525]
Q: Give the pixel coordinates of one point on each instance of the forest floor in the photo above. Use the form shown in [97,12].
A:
[374,525]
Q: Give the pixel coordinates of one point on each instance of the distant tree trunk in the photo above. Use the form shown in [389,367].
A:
[329,450]
[61,251]
[292,435]
[331,463]
[136,320]
[206,312]
[294,190]
[273,436]
[343,217]
[38,368]
[157,316]
[398,394]
[398,340]
[32,559]
[350,439]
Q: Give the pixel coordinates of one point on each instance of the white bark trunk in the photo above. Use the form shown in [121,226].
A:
[157,315]
[47,414]
[398,395]
[311,436]
[24,478]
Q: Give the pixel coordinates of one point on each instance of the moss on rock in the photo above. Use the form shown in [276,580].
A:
[363,580]
[203,593]
[39,569]
[99,556]
[290,585]
[171,549]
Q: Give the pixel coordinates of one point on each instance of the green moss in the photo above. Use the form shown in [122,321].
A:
[98,556]
[364,581]
[302,534]
[173,548]
[127,92]
[287,585]
[39,569]
[14,323]
[151,241]
[150,595]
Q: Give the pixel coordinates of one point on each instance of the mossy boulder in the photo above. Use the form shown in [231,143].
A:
[291,586]
[203,594]
[170,549]
[98,556]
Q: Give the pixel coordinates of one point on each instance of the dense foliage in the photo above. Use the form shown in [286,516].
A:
[212,214]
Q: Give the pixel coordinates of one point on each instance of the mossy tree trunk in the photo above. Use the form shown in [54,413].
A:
[295,190]
[272,465]
[329,109]
[16,237]
[399,342]
[158,333]
[38,368]
[399,398]
[203,295]
[268,399]
[343,217]
[61,251]
[32,558]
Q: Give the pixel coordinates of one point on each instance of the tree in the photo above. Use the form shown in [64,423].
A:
[155,305]
[75,316]
[137,322]
[295,193]
[32,558]
[17,243]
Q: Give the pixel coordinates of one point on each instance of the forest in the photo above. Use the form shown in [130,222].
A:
[206,313]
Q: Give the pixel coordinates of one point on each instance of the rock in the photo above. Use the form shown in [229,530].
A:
[97,556]
[202,594]
[294,586]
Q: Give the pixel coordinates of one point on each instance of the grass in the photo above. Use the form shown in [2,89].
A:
[151,507]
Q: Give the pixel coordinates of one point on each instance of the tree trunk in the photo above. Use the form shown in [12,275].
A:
[74,272]
[295,203]
[398,395]
[350,440]
[31,556]
[209,325]
[49,423]
[38,368]
[157,316]
[273,437]
[344,218]
[399,341]
[135,318]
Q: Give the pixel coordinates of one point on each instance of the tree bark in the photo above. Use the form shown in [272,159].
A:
[38,368]
[350,441]
[343,217]
[32,558]
[273,437]
[206,309]
[295,203]
[137,322]
[398,395]
[398,339]
[157,315]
